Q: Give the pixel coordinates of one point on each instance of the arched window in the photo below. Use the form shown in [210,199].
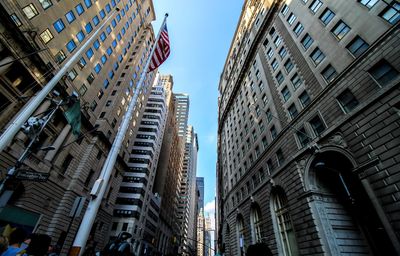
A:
[240,232]
[256,223]
[283,224]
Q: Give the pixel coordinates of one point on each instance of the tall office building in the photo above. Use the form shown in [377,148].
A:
[200,188]
[200,216]
[40,37]
[308,131]
[168,176]
[182,112]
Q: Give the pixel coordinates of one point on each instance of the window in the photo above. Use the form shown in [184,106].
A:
[265,99]
[298,29]
[285,9]
[317,125]
[60,56]
[102,14]
[327,16]
[240,230]
[383,72]
[88,3]
[113,23]
[274,64]
[67,161]
[82,90]
[72,74]
[256,224]
[89,53]
[103,37]
[304,99]
[79,9]
[96,44]
[358,46]
[109,51]
[269,115]
[90,78]
[282,52]
[329,73]
[103,59]
[114,43]
[280,157]
[80,36]
[70,16]
[89,178]
[270,53]
[317,56]
[106,83]
[293,111]
[16,20]
[291,18]
[277,41]
[59,25]
[392,12]
[108,8]
[97,68]
[93,105]
[279,77]
[285,93]
[71,45]
[46,36]
[315,5]
[100,94]
[108,30]
[45,3]
[284,226]
[347,101]
[368,3]
[289,65]
[340,30]
[88,27]
[264,142]
[82,63]
[303,137]
[274,133]
[307,41]
[96,20]
[296,81]
[30,11]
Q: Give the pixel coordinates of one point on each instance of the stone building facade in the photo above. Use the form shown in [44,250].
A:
[308,149]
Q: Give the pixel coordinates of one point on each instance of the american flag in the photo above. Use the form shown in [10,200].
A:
[162,50]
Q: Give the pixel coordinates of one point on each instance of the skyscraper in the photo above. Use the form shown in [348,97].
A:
[182,112]
[200,217]
[308,129]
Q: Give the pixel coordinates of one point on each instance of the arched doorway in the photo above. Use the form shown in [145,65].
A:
[348,218]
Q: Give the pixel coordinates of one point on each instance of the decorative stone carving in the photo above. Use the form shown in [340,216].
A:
[338,139]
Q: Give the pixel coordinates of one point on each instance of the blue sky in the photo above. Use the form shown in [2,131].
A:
[200,33]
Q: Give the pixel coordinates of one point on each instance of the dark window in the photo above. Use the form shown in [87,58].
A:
[340,30]
[285,93]
[89,178]
[307,41]
[285,9]
[293,111]
[347,100]
[274,133]
[280,157]
[67,161]
[392,12]
[93,105]
[296,81]
[90,78]
[298,29]
[289,65]
[368,3]
[303,137]
[270,166]
[329,73]
[327,16]
[114,226]
[279,77]
[269,115]
[317,56]
[383,72]
[358,46]
[304,99]
[16,20]
[317,125]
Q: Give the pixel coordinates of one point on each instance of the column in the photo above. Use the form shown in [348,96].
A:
[57,143]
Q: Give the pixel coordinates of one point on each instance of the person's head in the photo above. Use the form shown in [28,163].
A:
[17,236]
[39,245]
[3,244]
[259,249]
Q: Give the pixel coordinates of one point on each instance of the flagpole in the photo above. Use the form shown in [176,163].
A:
[27,111]
[100,186]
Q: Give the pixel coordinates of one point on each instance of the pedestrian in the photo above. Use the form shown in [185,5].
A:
[17,237]
[3,244]
[258,249]
[39,245]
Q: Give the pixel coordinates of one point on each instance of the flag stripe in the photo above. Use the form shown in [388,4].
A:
[162,50]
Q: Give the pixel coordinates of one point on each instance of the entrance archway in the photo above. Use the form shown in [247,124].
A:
[348,218]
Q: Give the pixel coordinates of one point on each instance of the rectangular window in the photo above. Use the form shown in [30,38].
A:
[96,20]
[329,73]
[96,44]
[347,101]
[72,74]
[296,81]
[82,63]
[103,59]
[89,53]
[70,16]
[279,77]
[291,18]
[280,157]
[293,111]
[88,27]
[97,68]
[317,125]
[88,178]
[82,90]
[307,41]
[315,5]
[391,13]
[60,56]
[108,8]
[71,45]
[277,41]
[285,9]
[102,14]
[79,9]
[16,20]
[88,3]
[45,3]
[269,115]
[93,105]
[340,30]
[274,64]
[304,99]
[270,53]
[303,137]
[317,56]
[46,36]
[289,65]
[59,25]
[282,52]
[298,29]
[30,11]
[327,16]
[90,78]
[285,93]
[103,37]
[383,72]
[368,3]
[274,133]
[108,30]
[270,166]
[81,36]
[265,99]
[264,142]
[357,46]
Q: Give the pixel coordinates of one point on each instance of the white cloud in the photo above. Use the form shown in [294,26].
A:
[210,208]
